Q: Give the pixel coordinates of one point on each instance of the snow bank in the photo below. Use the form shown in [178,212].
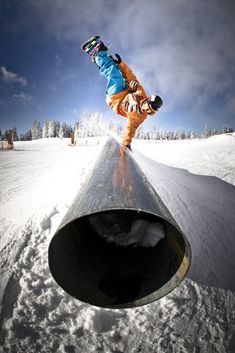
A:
[38,316]
[212,156]
[39,180]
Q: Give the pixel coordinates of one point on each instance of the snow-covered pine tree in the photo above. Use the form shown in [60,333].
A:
[169,135]
[188,134]
[36,130]
[27,136]
[120,130]
[51,128]
[163,135]
[157,136]
[139,133]
[45,129]
[91,124]
[182,135]
[177,135]
[77,130]
[61,132]
[207,132]
[153,133]
[67,129]
[227,129]
[57,128]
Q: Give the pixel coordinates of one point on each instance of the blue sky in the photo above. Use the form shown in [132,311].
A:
[182,50]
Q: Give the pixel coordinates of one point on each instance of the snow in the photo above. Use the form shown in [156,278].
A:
[212,156]
[38,181]
[142,233]
[146,234]
[202,205]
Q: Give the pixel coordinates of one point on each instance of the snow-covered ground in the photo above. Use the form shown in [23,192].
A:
[38,181]
[213,156]
[200,194]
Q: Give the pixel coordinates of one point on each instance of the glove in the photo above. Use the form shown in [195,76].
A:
[133,85]
[118,60]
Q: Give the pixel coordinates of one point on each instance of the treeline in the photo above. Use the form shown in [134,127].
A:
[89,125]
[51,128]
[154,134]
[179,134]
[92,124]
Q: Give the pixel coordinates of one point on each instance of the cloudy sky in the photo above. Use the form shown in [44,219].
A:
[182,50]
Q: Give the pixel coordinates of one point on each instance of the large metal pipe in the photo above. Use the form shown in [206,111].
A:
[84,257]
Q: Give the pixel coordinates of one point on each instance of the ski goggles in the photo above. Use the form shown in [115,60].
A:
[148,101]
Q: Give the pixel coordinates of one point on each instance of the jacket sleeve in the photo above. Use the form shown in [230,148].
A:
[129,76]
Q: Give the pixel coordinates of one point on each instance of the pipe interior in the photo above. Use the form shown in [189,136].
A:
[87,263]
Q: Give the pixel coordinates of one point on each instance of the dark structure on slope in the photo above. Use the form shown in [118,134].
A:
[94,268]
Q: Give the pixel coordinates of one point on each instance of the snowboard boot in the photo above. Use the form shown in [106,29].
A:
[129,147]
[93,45]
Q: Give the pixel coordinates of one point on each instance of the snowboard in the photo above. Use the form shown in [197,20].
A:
[91,45]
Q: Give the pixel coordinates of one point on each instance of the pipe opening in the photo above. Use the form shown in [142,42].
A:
[118,258]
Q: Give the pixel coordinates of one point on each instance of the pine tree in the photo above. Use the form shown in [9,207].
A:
[91,125]
[227,129]
[57,128]
[45,129]
[15,135]
[182,135]
[29,135]
[65,129]
[36,130]
[207,132]
[51,128]
[61,132]
[69,130]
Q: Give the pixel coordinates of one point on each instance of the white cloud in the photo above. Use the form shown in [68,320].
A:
[230,105]
[22,98]
[182,50]
[70,20]
[10,77]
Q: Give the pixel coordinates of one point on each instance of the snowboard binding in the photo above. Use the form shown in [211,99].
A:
[93,45]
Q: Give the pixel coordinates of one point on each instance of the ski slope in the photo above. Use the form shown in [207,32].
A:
[199,199]
[38,181]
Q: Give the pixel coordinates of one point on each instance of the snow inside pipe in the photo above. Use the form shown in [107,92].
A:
[118,246]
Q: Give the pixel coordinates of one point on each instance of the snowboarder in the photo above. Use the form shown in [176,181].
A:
[124,93]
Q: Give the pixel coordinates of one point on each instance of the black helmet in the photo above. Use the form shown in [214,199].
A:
[155,102]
